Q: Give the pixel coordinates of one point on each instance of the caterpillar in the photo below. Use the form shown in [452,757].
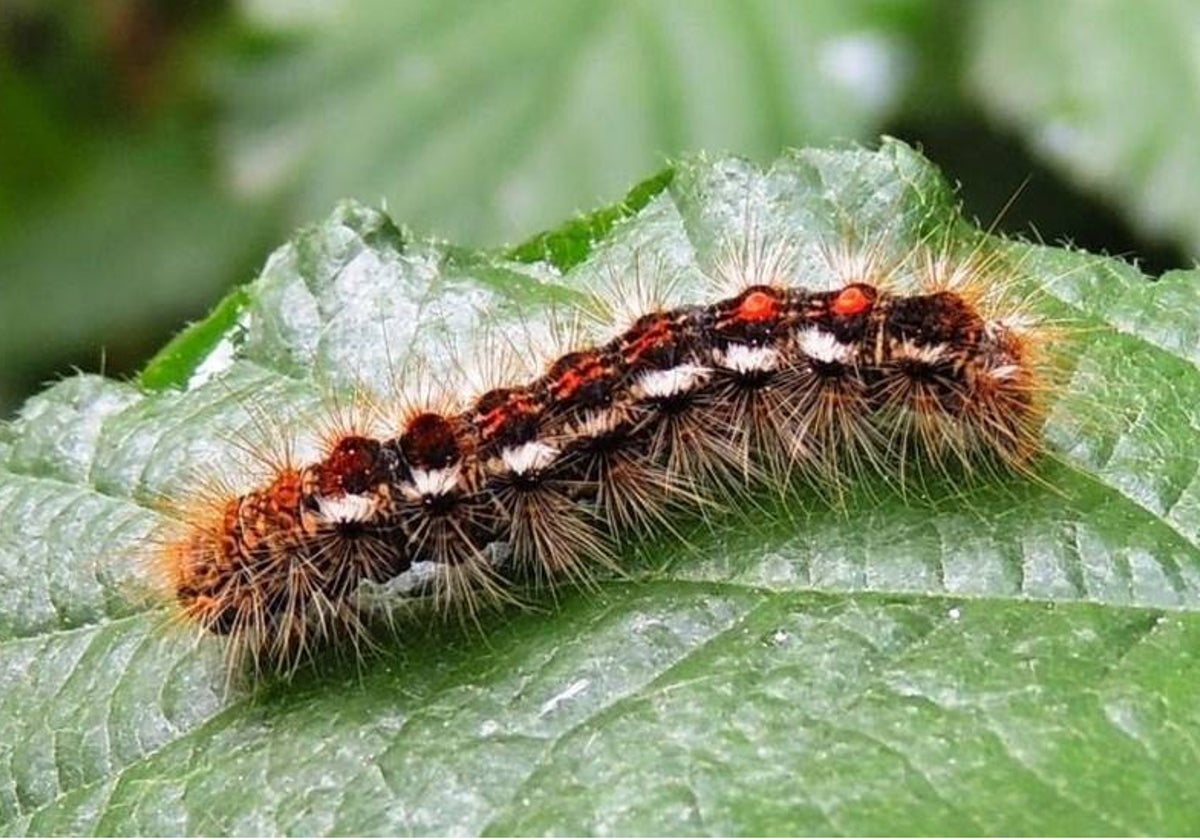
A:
[912,358]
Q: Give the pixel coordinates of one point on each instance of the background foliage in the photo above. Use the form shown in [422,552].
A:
[160,149]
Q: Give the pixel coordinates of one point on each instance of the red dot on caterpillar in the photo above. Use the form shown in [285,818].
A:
[580,376]
[348,467]
[650,334]
[429,441]
[758,306]
[853,300]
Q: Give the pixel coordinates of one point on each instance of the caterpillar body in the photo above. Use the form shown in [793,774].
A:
[914,357]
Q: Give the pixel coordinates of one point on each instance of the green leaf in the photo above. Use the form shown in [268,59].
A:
[1101,90]
[1004,657]
[485,121]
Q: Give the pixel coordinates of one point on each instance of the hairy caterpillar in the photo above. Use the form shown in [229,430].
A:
[912,358]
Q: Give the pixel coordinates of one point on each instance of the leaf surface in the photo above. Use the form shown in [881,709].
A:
[1001,657]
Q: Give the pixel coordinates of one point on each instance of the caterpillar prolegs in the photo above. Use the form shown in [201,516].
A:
[914,357]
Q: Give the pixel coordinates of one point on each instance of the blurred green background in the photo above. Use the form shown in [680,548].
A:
[152,152]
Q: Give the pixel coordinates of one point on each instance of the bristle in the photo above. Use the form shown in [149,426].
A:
[551,535]
[756,260]
[618,298]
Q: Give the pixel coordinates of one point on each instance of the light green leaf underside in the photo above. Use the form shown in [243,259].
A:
[1004,657]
